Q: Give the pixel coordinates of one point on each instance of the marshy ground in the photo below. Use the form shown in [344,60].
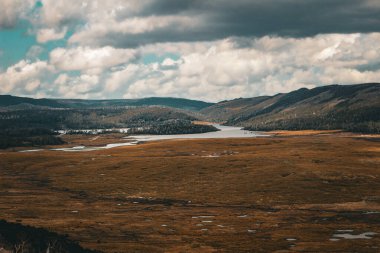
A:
[290,193]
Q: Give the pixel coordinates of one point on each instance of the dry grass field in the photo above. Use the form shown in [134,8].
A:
[275,194]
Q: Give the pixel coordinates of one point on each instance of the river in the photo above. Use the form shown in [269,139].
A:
[224,132]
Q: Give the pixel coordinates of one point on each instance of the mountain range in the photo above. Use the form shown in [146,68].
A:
[348,107]
[24,103]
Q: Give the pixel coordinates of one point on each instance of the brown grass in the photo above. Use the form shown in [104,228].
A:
[207,123]
[303,132]
[257,193]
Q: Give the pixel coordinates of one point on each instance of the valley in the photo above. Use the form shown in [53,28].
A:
[274,194]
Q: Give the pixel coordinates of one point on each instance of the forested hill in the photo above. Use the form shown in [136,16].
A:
[13,102]
[347,107]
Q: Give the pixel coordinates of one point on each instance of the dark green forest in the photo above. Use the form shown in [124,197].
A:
[173,127]
[18,238]
[27,137]
[37,127]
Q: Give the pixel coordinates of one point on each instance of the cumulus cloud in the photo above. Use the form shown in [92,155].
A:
[212,71]
[45,35]
[54,14]
[90,59]
[24,77]
[83,86]
[122,77]
[53,17]
[12,10]
[131,30]
[242,67]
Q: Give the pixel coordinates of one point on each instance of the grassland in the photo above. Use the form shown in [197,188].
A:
[289,193]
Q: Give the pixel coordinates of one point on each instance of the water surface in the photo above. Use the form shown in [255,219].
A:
[224,132]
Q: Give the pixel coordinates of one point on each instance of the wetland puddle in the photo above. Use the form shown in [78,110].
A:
[348,234]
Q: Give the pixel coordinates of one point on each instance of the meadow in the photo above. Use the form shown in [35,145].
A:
[306,192]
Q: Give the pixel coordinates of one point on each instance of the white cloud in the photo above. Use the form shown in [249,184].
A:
[48,34]
[130,26]
[82,86]
[169,62]
[212,71]
[225,69]
[90,59]
[12,10]
[241,67]
[54,14]
[121,78]
[23,77]
[32,85]
[54,17]
[62,79]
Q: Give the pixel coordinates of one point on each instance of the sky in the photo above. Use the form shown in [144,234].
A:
[209,50]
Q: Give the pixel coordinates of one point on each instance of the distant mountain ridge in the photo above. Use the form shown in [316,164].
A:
[8,100]
[26,103]
[348,107]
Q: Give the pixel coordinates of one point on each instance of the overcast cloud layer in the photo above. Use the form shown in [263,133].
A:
[210,50]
